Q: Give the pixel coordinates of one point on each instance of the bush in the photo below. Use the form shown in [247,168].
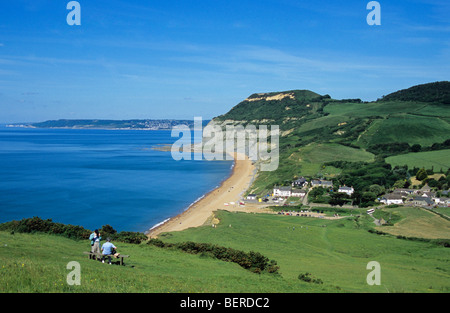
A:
[253,261]
[36,224]
[306,277]
[130,237]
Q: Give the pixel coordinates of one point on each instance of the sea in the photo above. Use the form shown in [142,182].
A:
[93,177]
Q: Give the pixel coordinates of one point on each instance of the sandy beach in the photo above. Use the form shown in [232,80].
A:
[225,197]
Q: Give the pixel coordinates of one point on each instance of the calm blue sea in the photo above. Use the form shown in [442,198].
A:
[97,177]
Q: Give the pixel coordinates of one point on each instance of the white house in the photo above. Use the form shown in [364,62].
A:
[392,198]
[251,197]
[298,193]
[347,190]
[282,191]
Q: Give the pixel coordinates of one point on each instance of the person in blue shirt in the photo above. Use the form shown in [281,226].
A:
[107,250]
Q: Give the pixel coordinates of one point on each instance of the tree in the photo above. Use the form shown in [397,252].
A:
[400,183]
[368,196]
[421,174]
[377,189]
[416,148]
[338,198]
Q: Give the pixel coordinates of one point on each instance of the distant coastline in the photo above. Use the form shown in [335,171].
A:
[144,124]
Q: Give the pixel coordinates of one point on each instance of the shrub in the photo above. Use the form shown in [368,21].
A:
[36,224]
[253,261]
[306,277]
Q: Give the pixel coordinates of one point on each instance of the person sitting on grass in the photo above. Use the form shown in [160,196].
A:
[108,249]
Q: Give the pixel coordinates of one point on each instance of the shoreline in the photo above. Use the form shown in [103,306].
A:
[227,195]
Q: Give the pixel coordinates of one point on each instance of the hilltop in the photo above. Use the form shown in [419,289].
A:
[348,140]
[438,92]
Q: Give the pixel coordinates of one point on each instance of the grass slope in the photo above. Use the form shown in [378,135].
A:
[335,251]
[37,263]
[428,159]
[419,223]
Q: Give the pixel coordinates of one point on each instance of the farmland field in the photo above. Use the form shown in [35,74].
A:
[408,128]
[437,160]
[419,223]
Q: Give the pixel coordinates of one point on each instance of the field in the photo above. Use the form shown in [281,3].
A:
[311,158]
[437,160]
[419,223]
[413,129]
[334,251]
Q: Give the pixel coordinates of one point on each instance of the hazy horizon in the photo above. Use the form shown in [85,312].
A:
[177,60]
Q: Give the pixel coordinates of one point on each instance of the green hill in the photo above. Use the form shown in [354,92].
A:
[348,130]
[438,92]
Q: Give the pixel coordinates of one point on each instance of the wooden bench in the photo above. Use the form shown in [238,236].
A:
[99,256]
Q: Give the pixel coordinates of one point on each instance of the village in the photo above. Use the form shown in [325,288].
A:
[297,193]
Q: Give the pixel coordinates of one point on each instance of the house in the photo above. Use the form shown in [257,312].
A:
[442,201]
[301,182]
[251,197]
[422,190]
[298,193]
[422,201]
[347,190]
[429,194]
[282,191]
[321,183]
[404,191]
[392,198]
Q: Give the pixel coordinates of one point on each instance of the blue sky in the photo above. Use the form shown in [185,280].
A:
[180,59]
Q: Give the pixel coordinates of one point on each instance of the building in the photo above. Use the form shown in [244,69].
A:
[298,193]
[321,183]
[301,182]
[422,201]
[347,190]
[251,197]
[429,194]
[282,191]
[392,198]
[404,191]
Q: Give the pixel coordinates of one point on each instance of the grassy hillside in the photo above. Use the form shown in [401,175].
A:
[37,263]
[335,252]
[318,130]
[419,223]
[429,159]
